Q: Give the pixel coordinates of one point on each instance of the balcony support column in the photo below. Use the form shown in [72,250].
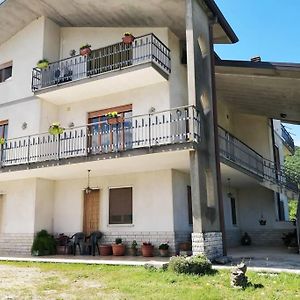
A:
[204,161]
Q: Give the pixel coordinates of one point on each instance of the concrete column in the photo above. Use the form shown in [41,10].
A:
[204,168]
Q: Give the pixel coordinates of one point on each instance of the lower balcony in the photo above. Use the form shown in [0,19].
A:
[168,130]
[240,156]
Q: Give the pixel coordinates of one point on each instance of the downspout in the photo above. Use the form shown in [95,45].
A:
[216,137]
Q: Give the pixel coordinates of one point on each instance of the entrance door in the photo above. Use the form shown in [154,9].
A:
[91,210]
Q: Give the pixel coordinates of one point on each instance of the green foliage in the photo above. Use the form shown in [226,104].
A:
[43,244]
[134,244]
[118,241]
[198,265]
[292,163]
[164,246]
[293,209]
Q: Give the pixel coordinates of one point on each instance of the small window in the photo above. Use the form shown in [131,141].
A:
[189,202]
[5,71]
[120,205]
[233,211]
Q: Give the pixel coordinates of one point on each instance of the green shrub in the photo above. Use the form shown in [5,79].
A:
[43,244]
[198,264]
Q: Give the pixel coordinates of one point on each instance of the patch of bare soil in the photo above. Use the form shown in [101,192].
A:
[32,283]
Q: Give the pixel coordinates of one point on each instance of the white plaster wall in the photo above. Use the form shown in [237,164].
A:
[44,204]
[51,45]
[142,100]
[24,49]
[19,112]
[75,37]
[152,202]
[178,76]
[18,211]
[254,202]
[180,181]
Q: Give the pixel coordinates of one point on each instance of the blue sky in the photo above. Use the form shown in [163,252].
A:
[268,28]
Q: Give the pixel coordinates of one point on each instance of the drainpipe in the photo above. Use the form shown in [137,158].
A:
[216,139]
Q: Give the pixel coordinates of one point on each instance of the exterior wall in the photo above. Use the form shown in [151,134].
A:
[44,203]
[148,203]
[24,49]
[251,203]
[19,112]
[17,219]
[182,228]
[142,100]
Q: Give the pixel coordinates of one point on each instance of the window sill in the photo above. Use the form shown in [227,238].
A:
[120,225]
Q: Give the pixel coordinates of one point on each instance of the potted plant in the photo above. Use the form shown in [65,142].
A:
[246,239]
[62,242]
[128,38]
[118,248]
[43,244]
[56,129]
[147,249]
[133,249]
[185,246]
[105,250]
[164,249]
[43,64]
[2,141]
[290,240]
[85,50]
[113,118]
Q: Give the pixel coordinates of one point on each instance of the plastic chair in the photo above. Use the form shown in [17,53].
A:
[94,239]
[77,239]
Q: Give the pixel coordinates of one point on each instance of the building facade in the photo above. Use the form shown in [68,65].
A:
[179,162]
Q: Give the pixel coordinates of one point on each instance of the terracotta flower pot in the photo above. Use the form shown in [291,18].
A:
[105,250]
[186,246]
[114,120]
[164,252]
[85,51]
[118,249]
[128,39]
[147,250]
[133,251]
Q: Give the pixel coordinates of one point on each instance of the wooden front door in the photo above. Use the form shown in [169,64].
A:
[91,210]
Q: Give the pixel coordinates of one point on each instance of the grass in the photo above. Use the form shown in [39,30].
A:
[76,281]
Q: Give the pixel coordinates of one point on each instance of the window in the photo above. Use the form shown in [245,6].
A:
[106,137]
[233,211]
[5,71]
[120,205]
[3,129]
[189,200]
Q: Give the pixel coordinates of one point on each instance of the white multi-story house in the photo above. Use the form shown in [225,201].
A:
[187,158]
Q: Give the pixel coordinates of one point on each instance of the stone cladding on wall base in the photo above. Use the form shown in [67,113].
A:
[208,243]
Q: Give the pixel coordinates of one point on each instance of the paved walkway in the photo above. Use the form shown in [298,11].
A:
[262,259]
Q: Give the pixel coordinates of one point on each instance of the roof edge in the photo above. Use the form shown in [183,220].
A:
[222,20]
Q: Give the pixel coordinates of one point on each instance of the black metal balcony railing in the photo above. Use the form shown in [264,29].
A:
[287,139]
[237,152]
[147,48]
[180,125]
[234,150]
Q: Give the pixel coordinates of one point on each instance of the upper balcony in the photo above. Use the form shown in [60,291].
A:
[287,140]
[107,70]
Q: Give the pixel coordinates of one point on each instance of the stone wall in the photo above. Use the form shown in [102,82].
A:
[208,243]
[15,244]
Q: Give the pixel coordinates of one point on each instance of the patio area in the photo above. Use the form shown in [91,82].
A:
[270,258]
[262,259]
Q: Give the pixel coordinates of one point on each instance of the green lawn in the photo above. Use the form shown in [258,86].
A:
[76,281]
